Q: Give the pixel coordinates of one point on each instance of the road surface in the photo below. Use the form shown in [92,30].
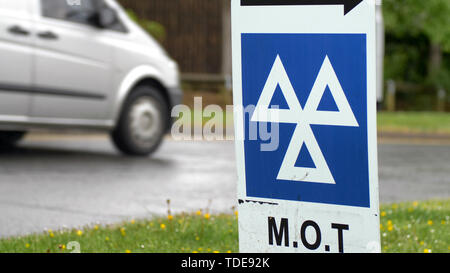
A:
[52,182]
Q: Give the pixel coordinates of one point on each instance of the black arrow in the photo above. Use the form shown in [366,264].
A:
[348,4]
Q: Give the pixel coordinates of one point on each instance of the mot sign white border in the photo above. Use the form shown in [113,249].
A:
[279,208]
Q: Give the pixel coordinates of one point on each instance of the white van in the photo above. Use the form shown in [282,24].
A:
[83,64]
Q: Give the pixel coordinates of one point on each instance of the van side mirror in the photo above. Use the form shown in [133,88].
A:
[107,17]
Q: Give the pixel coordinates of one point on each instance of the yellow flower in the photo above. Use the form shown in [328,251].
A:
[200,249]
[198,212]
[236,213]
[79,232]
[27,245]
[127,251]
[383,213]
[195,251]
[422,243]
[415,203]
[207,216]
[122,231]
[426,250]
[197,238]
[96,227]
[106,238]
[170,217]
[132,221]
[389,222]
[443,222]
[162,226]
[390,228]
[51,235]
[215,251]
[228,251]
[430,222]
[381,226]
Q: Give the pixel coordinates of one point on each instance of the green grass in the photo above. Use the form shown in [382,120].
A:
[406,227]
[396,122]
[182,233]
[417,227]
[414,122]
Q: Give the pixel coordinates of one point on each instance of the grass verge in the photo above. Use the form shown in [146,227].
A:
[407,227]
[416,227]
[390,122]
[414,122]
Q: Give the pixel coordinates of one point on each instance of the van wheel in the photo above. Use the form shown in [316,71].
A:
[142,123]
[9,139]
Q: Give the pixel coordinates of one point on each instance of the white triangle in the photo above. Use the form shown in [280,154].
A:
[303,133]
[263,113]
[288,171]
[344,116]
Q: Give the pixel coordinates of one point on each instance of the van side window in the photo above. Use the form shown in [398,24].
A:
[78,11]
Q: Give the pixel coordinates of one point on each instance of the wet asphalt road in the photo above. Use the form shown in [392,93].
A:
[54,182]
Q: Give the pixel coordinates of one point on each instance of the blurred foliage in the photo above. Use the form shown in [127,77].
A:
[418,43]
[155,29]
[418,17]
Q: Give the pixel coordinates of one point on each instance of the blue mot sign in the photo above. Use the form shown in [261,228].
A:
[315,87]
[306,74]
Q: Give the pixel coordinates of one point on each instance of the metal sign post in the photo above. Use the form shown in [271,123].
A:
[304,83]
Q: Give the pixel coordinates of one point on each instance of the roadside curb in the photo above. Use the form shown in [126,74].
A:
[410,137]
[383,137]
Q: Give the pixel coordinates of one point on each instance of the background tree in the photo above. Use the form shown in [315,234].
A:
[418,42]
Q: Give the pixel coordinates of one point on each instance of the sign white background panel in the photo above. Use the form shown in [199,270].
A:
[302,54]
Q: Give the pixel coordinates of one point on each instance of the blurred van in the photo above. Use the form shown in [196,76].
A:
[83,64]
